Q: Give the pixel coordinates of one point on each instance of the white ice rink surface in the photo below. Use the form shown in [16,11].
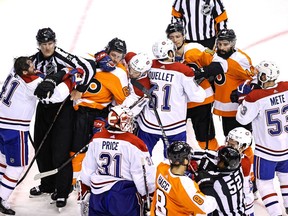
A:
[86,26]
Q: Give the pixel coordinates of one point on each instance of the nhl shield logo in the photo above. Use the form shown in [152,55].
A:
[206,9]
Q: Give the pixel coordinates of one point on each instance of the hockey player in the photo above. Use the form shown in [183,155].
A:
[53,62]
[177,194]
[195,55]
[103,89]
[240,69]
[174,85]
[267,109]
[17,107]
[113,169]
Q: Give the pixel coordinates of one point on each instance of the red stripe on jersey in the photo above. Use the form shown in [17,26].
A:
[9,179]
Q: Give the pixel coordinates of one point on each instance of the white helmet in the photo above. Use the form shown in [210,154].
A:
[242,136]
[140,63]
[161,48]
[268,68]
[122,118]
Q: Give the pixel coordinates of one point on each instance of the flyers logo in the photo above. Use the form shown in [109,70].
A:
[197,199]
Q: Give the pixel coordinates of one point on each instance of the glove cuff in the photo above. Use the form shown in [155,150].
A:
[51,81]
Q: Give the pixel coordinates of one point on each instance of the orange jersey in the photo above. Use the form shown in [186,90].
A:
[103,88]
[198,54]
[178,195]
[239,69]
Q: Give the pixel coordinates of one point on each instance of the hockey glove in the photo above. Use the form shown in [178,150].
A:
[99,124]
[104,61]
[206,164]
[45,89]
[75,75]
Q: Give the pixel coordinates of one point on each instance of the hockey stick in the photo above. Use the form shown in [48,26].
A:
[148,93]
[146,184]
[54,171]
[42,142]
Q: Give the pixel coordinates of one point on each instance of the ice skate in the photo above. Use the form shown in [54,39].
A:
[60,203]
[53,198]
[5,208]
[38,192]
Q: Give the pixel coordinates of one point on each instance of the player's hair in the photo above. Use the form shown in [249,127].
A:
[21,64]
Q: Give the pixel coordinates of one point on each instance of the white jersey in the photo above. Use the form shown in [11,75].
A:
[18,102]
[175,86]
[116,156]
[267,109]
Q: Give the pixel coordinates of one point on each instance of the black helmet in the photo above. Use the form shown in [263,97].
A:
[178,151]
[175,27]
[230,157]
[226,34]
[116,45]
[45,34]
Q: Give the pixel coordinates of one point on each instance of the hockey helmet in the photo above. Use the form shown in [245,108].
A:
[116,45]
[45,34]
[268,68]
[226,34]
[162,48]
[178,151]
[121,117]
[175,27]
[140,63]
[242,136]
[229,158]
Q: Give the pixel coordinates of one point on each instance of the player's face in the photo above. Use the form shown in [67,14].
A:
[177,38]
[116,56]
[224,46]
[234,144]
[48,48]
[133,73]
[31,70]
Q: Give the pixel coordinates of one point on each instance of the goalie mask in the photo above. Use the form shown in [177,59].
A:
[178,151]
[229,159]
[267,71]
[121,118]
[239,138]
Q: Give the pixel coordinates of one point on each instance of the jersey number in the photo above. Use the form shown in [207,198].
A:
[111,165]
[235,184]
[9,92]
[161,202]
[165,106]
[277,126]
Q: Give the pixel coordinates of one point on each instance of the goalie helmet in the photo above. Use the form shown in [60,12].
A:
[242,136]
[178,151]
[229,158]
[268,68]
[162,48]
[121,117]
[45,35]
[175,27]
[117,45]
[140,63]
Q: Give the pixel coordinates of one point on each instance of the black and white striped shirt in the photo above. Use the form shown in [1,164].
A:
[202,18]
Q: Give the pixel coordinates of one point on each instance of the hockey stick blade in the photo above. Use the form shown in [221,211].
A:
[45,174]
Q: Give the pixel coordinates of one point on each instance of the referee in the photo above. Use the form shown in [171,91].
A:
[202,19]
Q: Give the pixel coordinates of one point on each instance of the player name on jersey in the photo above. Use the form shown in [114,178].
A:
[161,76]
[277,100]
[163,183]
[110,145]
